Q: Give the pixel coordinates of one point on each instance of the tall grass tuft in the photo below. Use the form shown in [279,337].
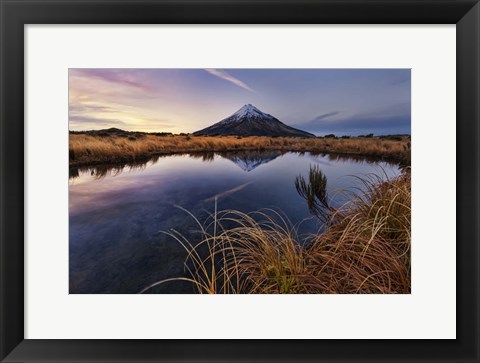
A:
[315,192]
[366,248]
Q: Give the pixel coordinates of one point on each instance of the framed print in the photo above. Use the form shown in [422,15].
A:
[239,181]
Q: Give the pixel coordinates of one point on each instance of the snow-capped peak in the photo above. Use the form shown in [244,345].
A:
[249,110]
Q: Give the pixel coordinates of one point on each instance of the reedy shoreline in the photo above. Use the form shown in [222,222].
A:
[86,149]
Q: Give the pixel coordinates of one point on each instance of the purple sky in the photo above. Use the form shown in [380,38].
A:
[322,101]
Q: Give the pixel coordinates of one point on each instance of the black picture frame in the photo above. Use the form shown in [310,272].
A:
[15,14]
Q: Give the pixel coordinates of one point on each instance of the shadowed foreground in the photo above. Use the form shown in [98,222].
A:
[365,248]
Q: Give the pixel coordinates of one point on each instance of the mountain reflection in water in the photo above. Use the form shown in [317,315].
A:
[247,160]
[118,212]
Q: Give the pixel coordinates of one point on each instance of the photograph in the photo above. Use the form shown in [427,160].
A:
[240,159]
[239,181]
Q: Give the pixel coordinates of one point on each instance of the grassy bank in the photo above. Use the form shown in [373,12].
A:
[88,149]
[364,249]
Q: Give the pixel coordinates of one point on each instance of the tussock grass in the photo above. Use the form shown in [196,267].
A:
[367,248]
[364,249]
[85,149]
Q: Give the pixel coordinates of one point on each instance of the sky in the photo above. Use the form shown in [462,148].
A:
[321,101]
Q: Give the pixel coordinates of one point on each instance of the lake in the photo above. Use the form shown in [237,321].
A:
[118,213]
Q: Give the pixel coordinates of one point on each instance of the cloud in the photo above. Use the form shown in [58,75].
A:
[361,125]
[228,77]
[82,108]
[394,119]
[318,121]
[86,123]
[400,81]
[325,115]
[79,122]
[125,77]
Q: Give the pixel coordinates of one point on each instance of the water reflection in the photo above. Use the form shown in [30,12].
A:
[247,160]
[118,212]
[101,171]
[314,191]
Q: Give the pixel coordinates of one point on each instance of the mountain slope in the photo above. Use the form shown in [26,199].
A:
[250,121]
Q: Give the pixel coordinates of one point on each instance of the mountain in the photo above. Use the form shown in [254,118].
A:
[250,121]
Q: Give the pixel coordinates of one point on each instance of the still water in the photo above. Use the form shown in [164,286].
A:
[117,214]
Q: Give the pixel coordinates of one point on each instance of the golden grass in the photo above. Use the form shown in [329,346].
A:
[365,248]
[88,149]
